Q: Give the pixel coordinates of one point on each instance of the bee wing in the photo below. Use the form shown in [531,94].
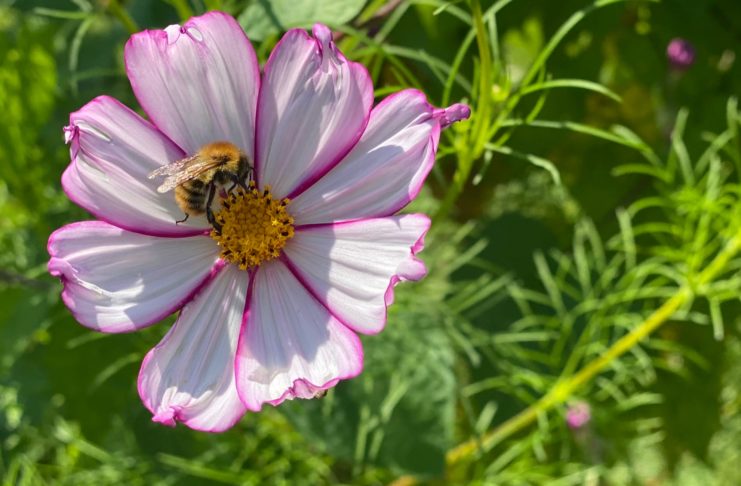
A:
[172,168]
[183,170]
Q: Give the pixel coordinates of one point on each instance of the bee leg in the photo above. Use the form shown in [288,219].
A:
[237,181]
[183,220]
[209,212]
[247,177]
[211,219]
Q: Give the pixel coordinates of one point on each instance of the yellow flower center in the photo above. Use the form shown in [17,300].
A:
[252,227]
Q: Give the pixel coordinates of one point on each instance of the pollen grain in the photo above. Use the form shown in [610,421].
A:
[252,227]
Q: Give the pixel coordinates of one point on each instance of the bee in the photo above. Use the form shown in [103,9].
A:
[197,178]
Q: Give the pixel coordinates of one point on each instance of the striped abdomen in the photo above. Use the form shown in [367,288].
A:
[191,196]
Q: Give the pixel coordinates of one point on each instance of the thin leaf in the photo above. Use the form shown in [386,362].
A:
[571,83]
[533,159]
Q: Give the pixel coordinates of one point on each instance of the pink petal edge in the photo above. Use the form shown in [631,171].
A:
[407,97]
[55,268]
[71,137]
[417,247]
[173,414]
[323,35]
[170,35]
[326,47]
[300,388]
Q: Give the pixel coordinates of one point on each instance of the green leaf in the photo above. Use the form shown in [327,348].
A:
[571,83]
[264,18]
[545,164]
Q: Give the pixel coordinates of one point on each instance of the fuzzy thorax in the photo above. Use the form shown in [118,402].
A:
[252,227]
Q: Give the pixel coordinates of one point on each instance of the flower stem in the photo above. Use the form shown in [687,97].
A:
[485,123]
[213,4]
[115,8]
[563,388]
[472,149]
[183,9]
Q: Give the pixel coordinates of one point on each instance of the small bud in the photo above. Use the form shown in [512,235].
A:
[578,415]
[681,54]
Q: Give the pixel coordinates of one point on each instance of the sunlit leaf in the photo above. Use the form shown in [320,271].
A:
[263,18]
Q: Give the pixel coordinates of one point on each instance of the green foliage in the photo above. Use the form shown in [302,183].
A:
[683,238]
[27,90]
[562,237]
[265,18]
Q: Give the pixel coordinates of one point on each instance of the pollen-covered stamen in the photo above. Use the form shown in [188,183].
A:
[254,227]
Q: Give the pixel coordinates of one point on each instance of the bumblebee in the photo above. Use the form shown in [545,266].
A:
[197,178]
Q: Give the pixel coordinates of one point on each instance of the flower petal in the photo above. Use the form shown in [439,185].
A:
[189,375]
[387,167]
[198,83]
[113,150]
[290,345]
[352,267]
[313,107]
[119,281]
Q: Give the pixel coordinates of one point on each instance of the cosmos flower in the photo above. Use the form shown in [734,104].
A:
[266,314]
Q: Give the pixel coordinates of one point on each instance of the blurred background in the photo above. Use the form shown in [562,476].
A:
[580,322]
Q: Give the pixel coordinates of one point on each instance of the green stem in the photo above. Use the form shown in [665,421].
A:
[462,172]
[485,81]
[481,117]
[212,4]
[183,9]
[115,8]
[484,127]
[543,56]
[564,388]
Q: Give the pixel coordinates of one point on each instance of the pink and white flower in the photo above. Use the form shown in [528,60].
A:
[287,327]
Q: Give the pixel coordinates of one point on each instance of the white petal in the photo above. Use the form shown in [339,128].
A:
[312,109]
[113,151]
[189,376]
[290,345]
[352,267]
[199,82]
[119,281]
[387,167]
